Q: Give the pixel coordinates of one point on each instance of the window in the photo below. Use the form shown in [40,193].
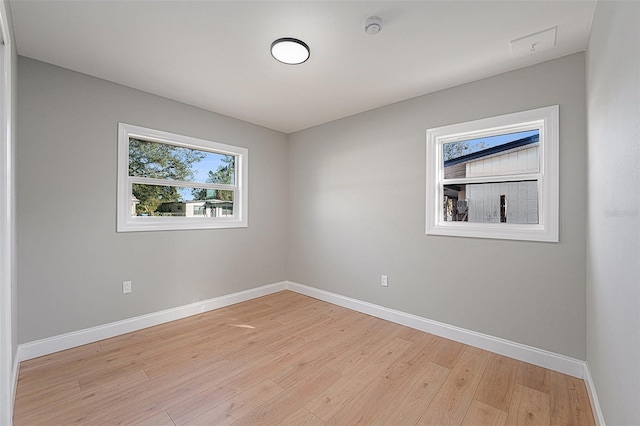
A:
[168,181]
[495,178]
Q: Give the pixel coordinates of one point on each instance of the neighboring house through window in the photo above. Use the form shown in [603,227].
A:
[168,181]
[495,178]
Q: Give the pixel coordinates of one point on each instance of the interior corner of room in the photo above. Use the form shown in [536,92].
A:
[333,204]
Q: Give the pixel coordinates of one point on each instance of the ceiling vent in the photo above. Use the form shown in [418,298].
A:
[534,43]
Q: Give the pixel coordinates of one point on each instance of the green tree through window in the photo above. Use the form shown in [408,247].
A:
[225,174]
[159,161]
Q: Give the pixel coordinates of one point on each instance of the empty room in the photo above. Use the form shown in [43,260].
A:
[320,212]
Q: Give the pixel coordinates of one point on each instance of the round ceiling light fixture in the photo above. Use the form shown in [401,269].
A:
[290,51]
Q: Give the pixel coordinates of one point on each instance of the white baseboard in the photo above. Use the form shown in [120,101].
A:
[593,396]
[14,380]
[82,337]
[529,354]
[546,359]
[542,358]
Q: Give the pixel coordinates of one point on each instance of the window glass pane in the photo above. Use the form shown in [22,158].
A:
[508,154]
[163,200]
[163,161]
[500,202]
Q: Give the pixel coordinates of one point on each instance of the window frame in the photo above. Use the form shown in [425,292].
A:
[545,119]
[128,223]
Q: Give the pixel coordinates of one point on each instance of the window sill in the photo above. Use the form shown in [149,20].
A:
[500,231]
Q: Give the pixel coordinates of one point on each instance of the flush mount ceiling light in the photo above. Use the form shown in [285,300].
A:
[290,51]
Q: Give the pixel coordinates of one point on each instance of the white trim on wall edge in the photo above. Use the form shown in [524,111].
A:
[73,339]
[540,357]
[552,361]
[593,396]
[556,362]
[14,379]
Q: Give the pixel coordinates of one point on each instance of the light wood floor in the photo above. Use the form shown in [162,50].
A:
[289,359]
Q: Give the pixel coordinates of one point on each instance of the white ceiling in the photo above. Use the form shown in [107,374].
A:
[215,54]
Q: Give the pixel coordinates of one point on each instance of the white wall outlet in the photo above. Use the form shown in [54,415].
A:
[385,281]
[126,287]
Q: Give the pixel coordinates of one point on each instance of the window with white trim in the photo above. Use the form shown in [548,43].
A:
[168,181]
[495,178]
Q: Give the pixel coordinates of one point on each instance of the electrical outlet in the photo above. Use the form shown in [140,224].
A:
[126,287]
[385,281]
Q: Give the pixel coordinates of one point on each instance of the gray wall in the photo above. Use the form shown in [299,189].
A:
[356,201]
[71,261]
[613,274]
[357,210]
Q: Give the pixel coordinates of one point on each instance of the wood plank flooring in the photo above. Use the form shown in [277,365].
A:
[287,359]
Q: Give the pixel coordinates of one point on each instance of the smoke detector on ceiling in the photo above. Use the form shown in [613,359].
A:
[373,25]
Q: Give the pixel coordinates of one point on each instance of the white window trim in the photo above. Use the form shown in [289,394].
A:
[128,223]
[547,120]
